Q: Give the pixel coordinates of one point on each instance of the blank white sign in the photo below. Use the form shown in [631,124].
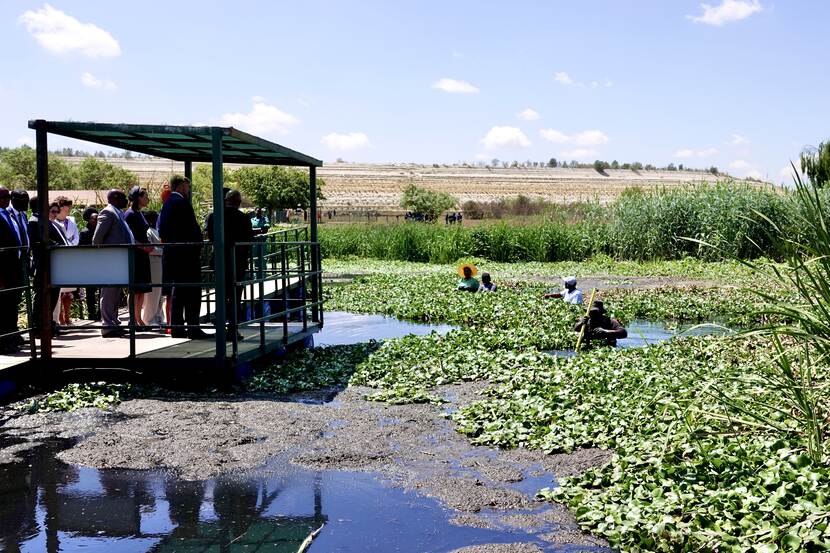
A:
[90,266]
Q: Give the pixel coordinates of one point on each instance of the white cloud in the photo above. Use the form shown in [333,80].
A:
[583,138]
[26,141]
[755,174]
[738,140]
[726,12]
[91,81]
[786,174]
[740,165]
[262,119]
[594,84]
[500,137]
[528,115]
[482,156]
[688,152]
[578,153]
[457,55]
[564,78]
[61,33]
[258,99]
[608,83]
[455,87]
[346,142]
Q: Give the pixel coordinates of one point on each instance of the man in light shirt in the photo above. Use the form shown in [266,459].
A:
[571,294]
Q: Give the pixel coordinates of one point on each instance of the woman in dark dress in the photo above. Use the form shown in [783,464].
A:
[138,225]
[90,217]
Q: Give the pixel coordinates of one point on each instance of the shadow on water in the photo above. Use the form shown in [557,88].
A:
[46,505]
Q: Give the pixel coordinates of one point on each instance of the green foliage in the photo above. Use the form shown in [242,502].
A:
[311,369]
[77,396]
[815,163]
[639,225]
[275,187]
[18,170]
[94,174]
[430,203]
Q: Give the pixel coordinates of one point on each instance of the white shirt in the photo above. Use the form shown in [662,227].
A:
[574,296]
[70,230]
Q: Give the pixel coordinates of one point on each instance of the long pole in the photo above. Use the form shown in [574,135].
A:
[582,330]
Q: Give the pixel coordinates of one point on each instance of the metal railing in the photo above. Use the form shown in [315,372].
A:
[280,289]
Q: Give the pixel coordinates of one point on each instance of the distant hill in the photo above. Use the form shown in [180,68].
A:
[379,187]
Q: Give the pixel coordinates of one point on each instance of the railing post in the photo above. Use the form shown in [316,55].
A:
[315,258]
[131,299]
[286,282]
[219,245]
[43,277]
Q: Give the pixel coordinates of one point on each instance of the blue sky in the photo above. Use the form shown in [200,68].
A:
[740,84]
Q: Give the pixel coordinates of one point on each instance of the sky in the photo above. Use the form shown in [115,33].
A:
[738,84]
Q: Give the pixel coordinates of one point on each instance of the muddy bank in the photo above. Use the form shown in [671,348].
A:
[411,446]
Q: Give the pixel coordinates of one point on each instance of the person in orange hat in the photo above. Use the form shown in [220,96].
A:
[468,281]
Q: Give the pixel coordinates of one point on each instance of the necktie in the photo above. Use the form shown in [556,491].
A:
[24,228]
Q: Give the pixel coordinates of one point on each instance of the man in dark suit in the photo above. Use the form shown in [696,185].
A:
[11,275]
[182,264]
[238,228]
[56,238]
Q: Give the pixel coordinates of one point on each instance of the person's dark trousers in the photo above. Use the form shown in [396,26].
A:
[92,304]
[186,300]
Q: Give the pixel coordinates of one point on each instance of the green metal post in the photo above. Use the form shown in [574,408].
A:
[188,174]
[43,270]
[315,260]
[219,246]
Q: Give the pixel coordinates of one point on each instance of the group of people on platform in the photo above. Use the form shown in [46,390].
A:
[595,326]
[175,304]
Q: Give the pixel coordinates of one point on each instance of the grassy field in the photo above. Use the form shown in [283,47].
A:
[379,187]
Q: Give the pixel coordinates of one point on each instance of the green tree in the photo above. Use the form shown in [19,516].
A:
[18,169]
[429,203]
[275,187]
[552,162]
[94,174]
[815,163]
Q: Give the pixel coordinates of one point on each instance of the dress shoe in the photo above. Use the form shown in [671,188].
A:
[199,335]
[177,333]
[114,333]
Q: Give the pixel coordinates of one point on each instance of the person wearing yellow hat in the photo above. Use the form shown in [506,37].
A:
[468,282]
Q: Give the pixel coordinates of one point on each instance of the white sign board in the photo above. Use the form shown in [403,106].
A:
[90,266]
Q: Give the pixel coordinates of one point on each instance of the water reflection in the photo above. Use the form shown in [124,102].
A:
[46,505]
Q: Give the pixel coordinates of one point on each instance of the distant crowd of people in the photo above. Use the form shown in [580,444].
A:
[167,280]
[596,325]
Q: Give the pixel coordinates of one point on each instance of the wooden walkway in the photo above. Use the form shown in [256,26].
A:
[79,342]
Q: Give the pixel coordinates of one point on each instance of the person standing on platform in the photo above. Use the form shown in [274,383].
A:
[90,217]
[11,275]
[112,229]
[182,263]
[141,261]
[238,228]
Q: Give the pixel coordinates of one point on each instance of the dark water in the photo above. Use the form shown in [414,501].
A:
[46,505]
[351,328]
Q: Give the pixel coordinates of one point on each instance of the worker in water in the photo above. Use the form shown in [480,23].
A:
[599,327]
[487,284]
[468,282]
[571,294]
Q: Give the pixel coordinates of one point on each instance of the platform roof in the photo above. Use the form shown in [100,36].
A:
[181,143]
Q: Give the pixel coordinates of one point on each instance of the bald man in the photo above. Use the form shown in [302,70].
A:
[112,229]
